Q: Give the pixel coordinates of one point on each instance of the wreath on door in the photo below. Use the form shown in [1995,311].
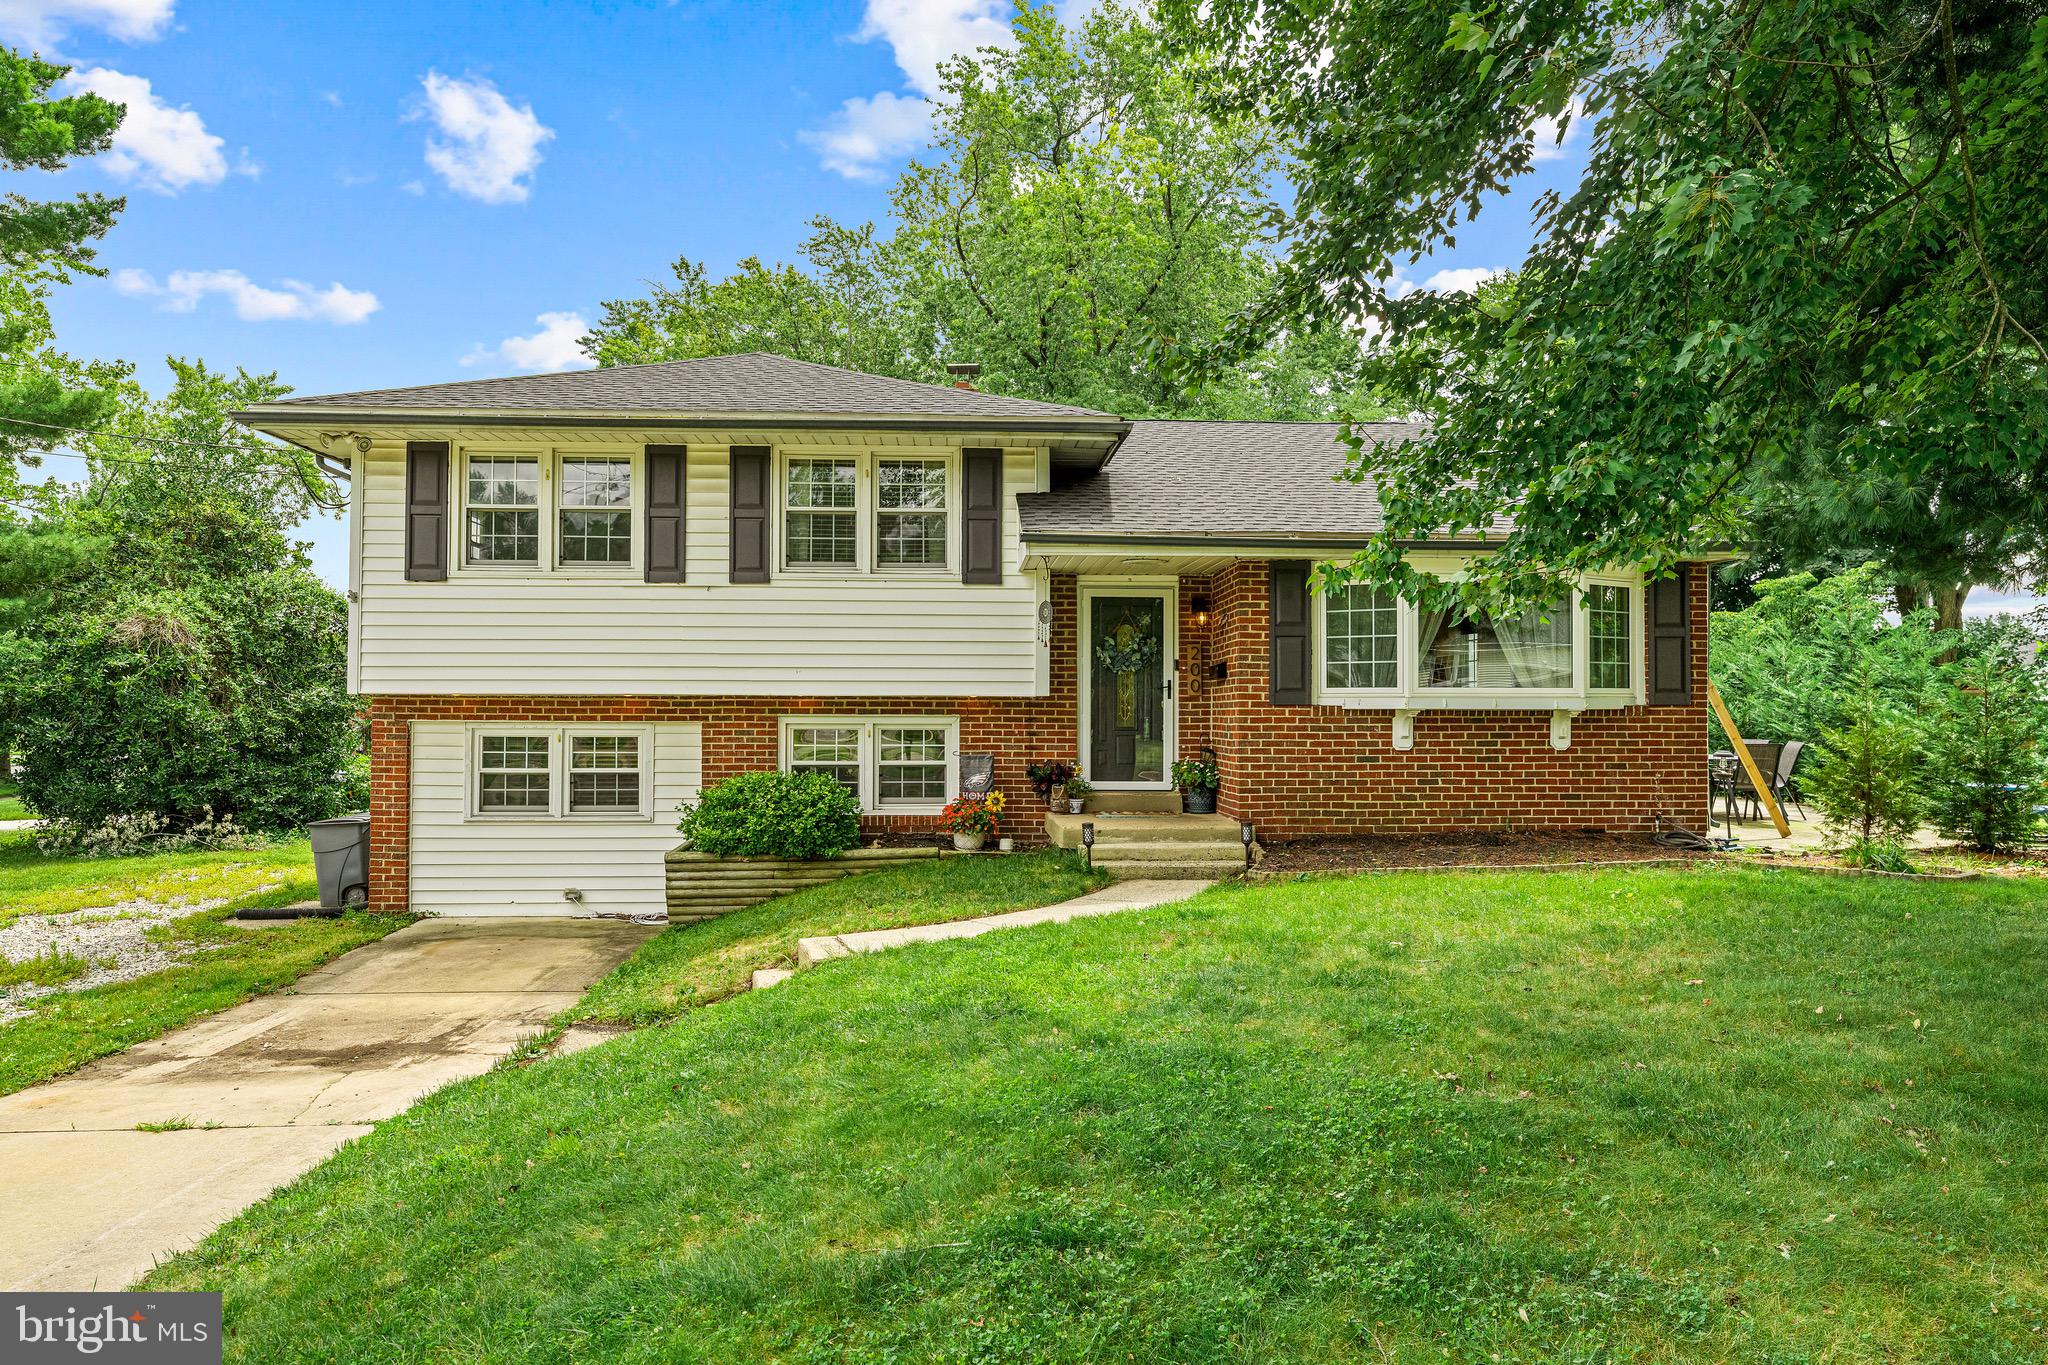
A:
[1126,651]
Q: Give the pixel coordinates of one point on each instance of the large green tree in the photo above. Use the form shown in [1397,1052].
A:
[1800,278]
[43,395]
[1079,210]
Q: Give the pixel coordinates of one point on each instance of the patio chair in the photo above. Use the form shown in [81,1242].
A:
[1765,755]
[1785,783]
[977,775]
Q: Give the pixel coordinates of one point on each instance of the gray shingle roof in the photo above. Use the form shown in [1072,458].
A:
[1210,479]
[755,382]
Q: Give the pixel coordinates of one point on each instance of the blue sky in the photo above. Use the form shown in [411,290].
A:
[372,195]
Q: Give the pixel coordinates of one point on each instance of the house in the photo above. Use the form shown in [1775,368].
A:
[575,598]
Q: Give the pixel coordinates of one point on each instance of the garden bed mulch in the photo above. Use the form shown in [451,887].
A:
[1381,853]
[1939,864]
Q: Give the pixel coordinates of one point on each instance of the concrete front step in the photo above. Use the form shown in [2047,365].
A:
[1168,851]
[1203,869]
[1065,830]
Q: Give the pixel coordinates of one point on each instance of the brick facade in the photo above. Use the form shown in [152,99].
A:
[1291,770]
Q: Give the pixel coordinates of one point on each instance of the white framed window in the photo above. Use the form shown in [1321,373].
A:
[594,522]
[606,774]
[1375,650]
[866,513]
[548,511]
[549,773]
[1611,611]
[1361,639]
[893,765]
[911,528]
[501,510]
[821,513]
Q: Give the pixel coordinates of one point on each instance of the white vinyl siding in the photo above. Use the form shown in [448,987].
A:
[810,633]
[465,863]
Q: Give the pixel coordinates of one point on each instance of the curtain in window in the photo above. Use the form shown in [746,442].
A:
[1539,652]
[1428,624]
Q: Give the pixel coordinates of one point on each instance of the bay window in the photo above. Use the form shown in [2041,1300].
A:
[1375,650]
[894,765]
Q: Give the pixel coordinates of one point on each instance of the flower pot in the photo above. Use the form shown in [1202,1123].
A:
[1199,800]
[1005,844]
[1075,804]
[969,843]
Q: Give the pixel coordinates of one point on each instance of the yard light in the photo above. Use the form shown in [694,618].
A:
[1088,842]
[1244,832]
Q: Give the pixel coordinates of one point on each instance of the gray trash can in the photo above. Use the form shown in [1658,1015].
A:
[341,860]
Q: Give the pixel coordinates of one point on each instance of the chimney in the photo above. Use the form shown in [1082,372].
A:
[963,372]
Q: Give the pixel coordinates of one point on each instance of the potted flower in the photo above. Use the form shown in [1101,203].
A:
[1076,793]
[972,819]
[1198,780]
[1047,776]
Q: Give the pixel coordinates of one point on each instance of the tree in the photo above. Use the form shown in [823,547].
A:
[43,395]
[1866,780]
[1802,268]
[1079,212]
[1987,775]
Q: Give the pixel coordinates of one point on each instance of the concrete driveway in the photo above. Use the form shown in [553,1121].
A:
[92,1202]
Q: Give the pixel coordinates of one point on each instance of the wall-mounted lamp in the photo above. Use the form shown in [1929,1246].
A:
[1199,604]
[1088,842]
[1244,832]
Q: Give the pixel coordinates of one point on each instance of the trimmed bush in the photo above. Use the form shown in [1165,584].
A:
[772,815]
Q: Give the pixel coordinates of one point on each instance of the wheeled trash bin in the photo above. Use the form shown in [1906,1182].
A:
[341,860]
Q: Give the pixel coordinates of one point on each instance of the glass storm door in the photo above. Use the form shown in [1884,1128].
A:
[1130,687]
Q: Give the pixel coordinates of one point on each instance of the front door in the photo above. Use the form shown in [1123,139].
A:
[1129,712]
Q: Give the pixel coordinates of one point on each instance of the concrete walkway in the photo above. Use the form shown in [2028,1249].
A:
[269,1089]
[1131,895]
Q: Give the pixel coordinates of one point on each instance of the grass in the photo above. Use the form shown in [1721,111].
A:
[32,884]
[10,802]
[698,964]
[179,1124]
[52,968]
[1659,1115]
[232,962]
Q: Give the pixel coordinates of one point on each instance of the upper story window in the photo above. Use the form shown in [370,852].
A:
[501,513]
[867,513]
[1480,650]
[1362,638]
[596,515]
[910,515]
[571,511]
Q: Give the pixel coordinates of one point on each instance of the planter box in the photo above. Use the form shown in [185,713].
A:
[704,886]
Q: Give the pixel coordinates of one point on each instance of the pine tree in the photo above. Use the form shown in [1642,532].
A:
[1987,776]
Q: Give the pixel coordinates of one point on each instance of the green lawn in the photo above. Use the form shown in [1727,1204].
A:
[699,964]
[10,802]
[1633,1114]
[235,961]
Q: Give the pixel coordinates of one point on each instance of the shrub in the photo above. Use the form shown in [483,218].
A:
[772,815]
[218,698]
[1877,855]
[1986,774]
[1865,783]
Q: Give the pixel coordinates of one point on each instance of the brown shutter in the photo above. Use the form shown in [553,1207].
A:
[1293,643]
[750,491]
[1670,611]
[426,511]
[663,519]
[981,519]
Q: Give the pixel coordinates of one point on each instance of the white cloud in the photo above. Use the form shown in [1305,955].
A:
[865,132]
[869,130]
[1451,280]
[1544,132]
[162,148]
[296,300]
[551,348]
[491,145]
[43,23]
